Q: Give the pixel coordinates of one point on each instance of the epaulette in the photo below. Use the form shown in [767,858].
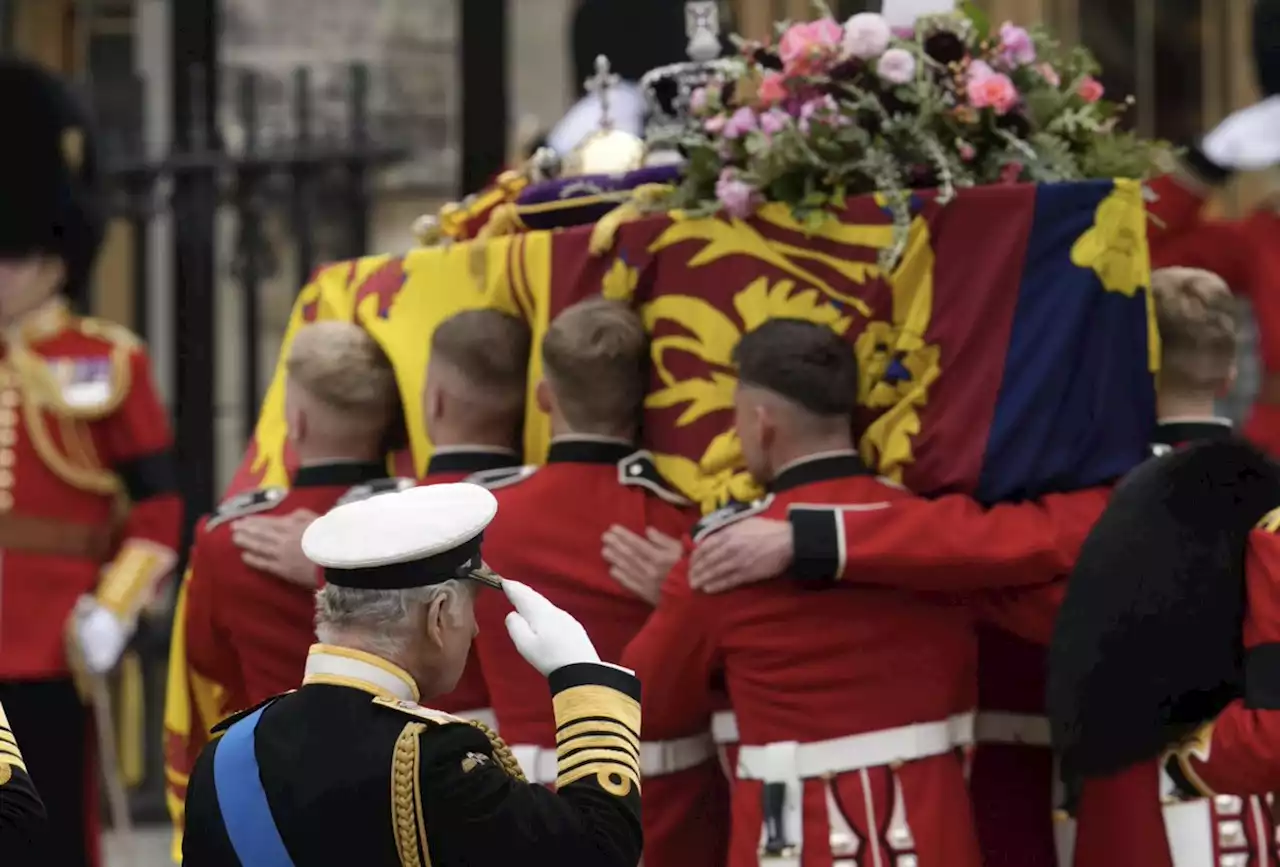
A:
[248,503]
[730,514]
[372,489]
[413,709]
[639,469]
[1270,521]
[111,332]
[241,714]
[501,477]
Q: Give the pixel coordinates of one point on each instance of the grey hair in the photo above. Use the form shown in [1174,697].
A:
[383,619]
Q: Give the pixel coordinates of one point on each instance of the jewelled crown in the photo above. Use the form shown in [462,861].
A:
[669,89]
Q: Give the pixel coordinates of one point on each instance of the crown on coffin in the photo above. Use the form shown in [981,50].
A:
[607,150]
[669,89]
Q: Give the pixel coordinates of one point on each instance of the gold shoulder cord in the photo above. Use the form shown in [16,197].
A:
[406,798]
[501,752]
[1270,522]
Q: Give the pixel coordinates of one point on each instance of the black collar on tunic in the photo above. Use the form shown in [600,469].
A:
[818,469]
[338,474]
[471,460]
[589,451]
[1184,431]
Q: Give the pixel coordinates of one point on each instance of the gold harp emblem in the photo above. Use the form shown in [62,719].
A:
[73,148]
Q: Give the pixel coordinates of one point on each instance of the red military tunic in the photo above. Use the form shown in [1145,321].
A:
[548,534]
[1244,253]
[81,427]
[470,698]
[850,706]
[241,635]
[970,548]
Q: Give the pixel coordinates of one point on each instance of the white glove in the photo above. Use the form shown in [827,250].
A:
[546,636]
[101,635]
[1248,140]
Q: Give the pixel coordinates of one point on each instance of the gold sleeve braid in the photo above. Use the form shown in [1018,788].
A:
[10,755]
[598,733]
[406,798]
[1270,522]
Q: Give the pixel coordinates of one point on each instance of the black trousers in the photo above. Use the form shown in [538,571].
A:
[52,729]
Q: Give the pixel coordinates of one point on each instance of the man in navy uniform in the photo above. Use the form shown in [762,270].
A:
[350,768]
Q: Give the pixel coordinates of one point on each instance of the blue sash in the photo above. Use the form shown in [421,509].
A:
[242,800]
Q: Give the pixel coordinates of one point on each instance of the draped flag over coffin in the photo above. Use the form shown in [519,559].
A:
[1010,351]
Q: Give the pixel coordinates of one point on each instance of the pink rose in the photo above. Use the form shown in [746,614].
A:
[994,91]
[715,124]
[1091,89]
[967,152]
[810,47]
[896,66]
[774,121]
[1016,47]
[738,197]
[1049,74]
[866,35]
[742,122]
[773,88]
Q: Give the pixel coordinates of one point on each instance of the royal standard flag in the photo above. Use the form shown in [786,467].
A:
[1008,350]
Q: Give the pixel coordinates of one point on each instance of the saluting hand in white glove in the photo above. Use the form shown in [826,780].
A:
[548,637]
[1248,140]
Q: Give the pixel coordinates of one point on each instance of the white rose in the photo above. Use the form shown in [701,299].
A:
[866,35]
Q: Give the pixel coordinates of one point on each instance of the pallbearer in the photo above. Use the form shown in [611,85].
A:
[352,769]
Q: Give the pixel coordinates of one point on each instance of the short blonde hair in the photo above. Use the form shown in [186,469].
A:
[490,350]
[1198,327]
[595,356]
[346,373]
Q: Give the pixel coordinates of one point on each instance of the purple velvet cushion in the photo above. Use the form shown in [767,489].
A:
[584,199]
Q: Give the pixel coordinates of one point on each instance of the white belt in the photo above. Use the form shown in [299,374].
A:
[724,727]
[656,758]
[998,727]
[483,715]
[788,761]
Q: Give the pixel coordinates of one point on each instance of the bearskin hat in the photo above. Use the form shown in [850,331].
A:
[1266,45]
[1147,645]
[50,175]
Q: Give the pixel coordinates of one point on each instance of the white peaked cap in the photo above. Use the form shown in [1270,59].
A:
[412,538]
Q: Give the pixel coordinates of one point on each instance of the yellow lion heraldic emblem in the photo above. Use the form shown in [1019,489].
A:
[710,334]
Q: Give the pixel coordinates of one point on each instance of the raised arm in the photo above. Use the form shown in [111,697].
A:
[479,813]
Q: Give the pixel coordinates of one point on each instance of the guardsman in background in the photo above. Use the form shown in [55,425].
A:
[548,532]
[22,815]
[351,769]
[473,408]
[82,434]
[1245,253]
[241,636]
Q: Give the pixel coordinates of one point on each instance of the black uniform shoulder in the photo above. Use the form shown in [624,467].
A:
[443,738]
[729,514]
[239,715]
[501,477]
[638,469]
[248,503]
[372,489]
